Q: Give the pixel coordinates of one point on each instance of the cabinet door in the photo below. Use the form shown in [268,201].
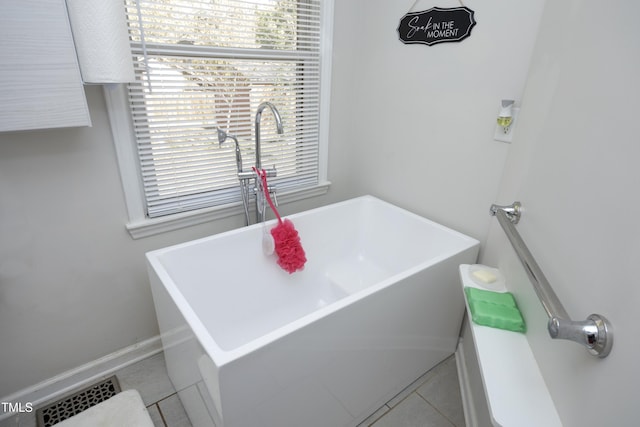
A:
[40,82]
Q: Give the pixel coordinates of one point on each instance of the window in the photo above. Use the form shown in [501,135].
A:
[204,64]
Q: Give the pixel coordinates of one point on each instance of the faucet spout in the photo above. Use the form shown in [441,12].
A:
[279,127]
[260,196]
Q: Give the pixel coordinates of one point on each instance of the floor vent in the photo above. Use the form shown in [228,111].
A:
[71,405]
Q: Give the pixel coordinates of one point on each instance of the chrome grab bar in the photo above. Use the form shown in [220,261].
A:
[595,333]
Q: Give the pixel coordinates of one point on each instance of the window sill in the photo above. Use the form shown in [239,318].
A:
[150,227]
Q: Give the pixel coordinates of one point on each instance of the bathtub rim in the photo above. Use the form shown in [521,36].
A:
[221,357]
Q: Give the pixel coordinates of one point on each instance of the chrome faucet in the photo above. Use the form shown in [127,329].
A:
[246,177]
[261,209]
[276,114]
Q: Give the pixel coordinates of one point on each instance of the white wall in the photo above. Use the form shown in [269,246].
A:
[574,167]
[424,116]
[72,282]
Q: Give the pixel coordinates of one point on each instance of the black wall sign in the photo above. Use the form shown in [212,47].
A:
[436,25]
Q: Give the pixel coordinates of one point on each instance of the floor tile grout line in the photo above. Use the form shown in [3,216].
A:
[413,389]
[372,422]
[435,408]
[405,398]
[393,408]
[164,422]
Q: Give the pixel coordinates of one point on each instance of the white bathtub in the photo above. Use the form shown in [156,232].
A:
[249,345]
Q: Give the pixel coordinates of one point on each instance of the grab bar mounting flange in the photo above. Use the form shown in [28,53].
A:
[512,211]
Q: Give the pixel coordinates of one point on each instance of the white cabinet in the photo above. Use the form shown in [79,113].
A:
[40,82]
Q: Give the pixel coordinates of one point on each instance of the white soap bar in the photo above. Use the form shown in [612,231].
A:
[485,276]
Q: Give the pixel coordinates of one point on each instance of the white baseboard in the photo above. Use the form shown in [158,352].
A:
[468,405]
[82,376]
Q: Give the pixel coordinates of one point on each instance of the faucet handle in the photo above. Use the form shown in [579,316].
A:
[271,172]
[273,194]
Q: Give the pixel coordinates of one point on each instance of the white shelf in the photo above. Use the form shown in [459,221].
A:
[40,82]
[517,395]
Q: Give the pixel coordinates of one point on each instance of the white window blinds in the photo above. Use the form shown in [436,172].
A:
[204,64]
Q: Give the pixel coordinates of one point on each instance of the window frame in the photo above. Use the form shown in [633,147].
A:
[139,225]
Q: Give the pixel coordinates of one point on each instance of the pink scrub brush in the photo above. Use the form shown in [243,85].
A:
[291,256]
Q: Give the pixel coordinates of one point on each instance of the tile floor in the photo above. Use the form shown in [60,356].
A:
[433,400]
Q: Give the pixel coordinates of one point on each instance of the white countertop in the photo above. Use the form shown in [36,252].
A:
[517,395]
